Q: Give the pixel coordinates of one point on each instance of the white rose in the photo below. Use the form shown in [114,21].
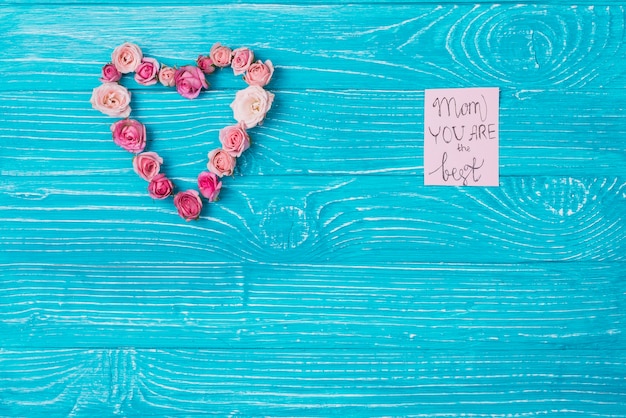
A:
[251,105]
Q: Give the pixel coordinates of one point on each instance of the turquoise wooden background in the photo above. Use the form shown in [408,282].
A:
[328,280]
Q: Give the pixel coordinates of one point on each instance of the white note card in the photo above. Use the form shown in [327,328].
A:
[461,135]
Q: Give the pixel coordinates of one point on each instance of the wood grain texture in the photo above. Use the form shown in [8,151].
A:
[353,46]
[319,219]
[305,382]
[260,305]
[327,281]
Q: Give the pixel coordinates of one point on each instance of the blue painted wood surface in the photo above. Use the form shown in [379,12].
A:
[327,280]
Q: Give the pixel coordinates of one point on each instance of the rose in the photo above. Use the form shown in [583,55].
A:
[242,58]
[166,76]
[205,63]
[221,55]
[110,73]
[146,73]
[221,163]
[126,57]
[234,139]
[160,187]
[251,105]
[129,134]
[209,185]
[111,99]
[189,81]
[259,73]
[188,204]
[147,165]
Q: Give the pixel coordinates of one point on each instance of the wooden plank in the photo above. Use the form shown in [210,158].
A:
[309,382]
[281,3]
[317,219]
[435,306]
[408,45]
[372,132]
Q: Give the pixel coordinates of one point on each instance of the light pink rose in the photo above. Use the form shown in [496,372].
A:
[166,76]
[126,57]
[110,73]
[221,163]
[209,185]
[129,134]
[205,63]
[251,105]
[111,99]
[189,204]
[160,187]
[221,55]
[189,81]
[259,73]
[242,58]
[147,72]
[147,165]
[235,140]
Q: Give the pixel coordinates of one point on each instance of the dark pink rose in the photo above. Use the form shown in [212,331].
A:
[221,55]
[160,187]
[205,63]
[221,162]
[147,72]
[166,76]
[259,73]
[129,134]
[110,74]
[242,58]
[189,204]
[234,139]
[189,81]
[209,185]
[126,57]
[147,165]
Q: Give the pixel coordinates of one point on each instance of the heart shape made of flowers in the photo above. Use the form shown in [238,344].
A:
[250,107]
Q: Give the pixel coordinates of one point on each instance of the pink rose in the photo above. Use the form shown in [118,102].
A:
[189,81]
[221,163]
[242,58]
[147,165]
[188,204]
[234,139]
[166,76]
[251,105]
[209,185]
[129,134]
[126,57]
[110,74]
[160,187]
[205,64]
[259,74]
[111,99]
[147,72]
[221,55]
